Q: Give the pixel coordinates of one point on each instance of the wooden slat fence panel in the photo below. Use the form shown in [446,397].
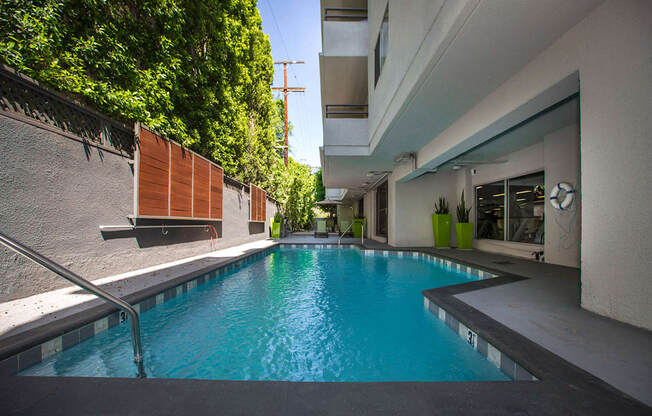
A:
[172,181]
[201,188]
[153,172]
[180,182]
[258,204]
[217,186]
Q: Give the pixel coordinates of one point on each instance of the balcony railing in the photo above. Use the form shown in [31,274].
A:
[347,111]
[345,14]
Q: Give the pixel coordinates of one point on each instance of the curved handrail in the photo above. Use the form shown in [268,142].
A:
[84,284]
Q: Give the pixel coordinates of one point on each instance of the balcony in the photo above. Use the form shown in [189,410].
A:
[344,28]
[346,111]
[345,14]
[346,130]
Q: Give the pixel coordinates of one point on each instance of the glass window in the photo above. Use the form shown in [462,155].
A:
[526,204]
[382,44]
[490,210]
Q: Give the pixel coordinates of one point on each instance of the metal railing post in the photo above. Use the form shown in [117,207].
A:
[84,284]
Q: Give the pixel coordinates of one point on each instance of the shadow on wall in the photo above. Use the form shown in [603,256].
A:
[256,227]
[154,237]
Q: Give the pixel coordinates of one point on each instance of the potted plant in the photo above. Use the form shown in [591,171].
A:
[464,228]
[441,224]
[358,224]
[277,222]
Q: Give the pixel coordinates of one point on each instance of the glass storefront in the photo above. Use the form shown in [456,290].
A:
[490,210]
[515,205]
[526,203]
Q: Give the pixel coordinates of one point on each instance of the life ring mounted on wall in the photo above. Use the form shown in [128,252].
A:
[568,199]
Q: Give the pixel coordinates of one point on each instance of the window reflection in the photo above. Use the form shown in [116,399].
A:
[382,44]
[526,205]
[490,203]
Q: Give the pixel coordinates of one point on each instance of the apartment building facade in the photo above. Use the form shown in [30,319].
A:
[503,101]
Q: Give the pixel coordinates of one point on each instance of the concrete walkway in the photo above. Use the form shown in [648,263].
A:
[545,309]
[310,239]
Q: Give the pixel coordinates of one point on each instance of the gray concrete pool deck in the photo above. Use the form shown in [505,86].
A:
[545,309]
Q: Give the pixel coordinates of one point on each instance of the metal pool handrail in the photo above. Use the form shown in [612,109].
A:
[348,228]
[342,235]
[84,284]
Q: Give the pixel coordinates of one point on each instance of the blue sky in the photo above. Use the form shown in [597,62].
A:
[294,30]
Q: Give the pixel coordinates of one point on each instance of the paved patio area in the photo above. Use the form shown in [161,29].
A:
[545,309]
[306,238]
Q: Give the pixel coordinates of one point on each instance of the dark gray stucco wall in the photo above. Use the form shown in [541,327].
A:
[55,192]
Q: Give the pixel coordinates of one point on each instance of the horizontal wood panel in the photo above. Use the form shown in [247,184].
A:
[216,197]
[257,203]
[153,146]
[201,188]
[153,172]
[180,182]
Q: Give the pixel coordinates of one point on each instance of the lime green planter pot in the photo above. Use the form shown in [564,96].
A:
[276,230]
[441,229]
[358,223]
[464,235]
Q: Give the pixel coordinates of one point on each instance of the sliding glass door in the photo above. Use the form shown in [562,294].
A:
[512,209]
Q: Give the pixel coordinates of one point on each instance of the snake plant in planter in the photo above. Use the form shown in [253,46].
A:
[464,228]
[441,224]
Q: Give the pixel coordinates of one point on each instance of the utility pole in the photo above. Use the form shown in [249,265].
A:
[285,90]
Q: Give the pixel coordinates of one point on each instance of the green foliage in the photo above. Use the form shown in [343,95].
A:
[320,190]
[320,195]
[442,206]
[278,217]
[296,191]
[198,72]
[462,211]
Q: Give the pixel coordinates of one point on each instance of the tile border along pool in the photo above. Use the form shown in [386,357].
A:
[561,387]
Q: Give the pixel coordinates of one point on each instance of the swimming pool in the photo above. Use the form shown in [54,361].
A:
[296,314]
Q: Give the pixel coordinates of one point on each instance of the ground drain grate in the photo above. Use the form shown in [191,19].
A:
[503,262]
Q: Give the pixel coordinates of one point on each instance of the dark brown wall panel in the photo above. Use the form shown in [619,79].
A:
[153,172]
[258,201]
[216,192]
[201,188]
[180,182]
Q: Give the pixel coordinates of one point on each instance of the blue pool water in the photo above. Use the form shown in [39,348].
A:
[296,314]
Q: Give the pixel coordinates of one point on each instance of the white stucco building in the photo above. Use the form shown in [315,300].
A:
[502,100]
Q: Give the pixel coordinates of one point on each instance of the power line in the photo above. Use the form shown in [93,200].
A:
[285,90]
[280,34]
[278,29]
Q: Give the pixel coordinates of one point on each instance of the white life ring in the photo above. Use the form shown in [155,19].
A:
[568,199]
